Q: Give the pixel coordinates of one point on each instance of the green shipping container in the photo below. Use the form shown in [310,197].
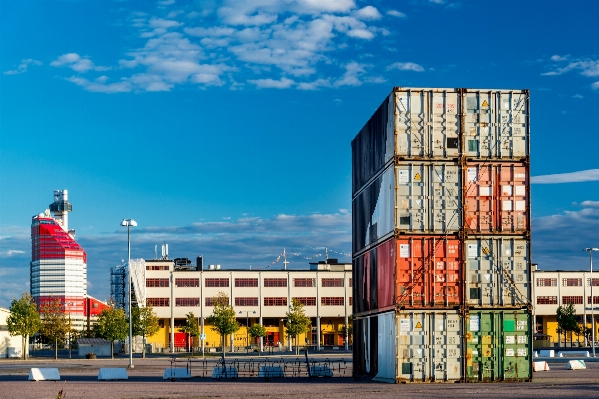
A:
[498,345]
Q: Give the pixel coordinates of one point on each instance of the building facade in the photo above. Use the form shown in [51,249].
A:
[9,346]
[58,266]
[552,289]
[258,296]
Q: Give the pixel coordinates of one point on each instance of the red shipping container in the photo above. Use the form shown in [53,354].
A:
[496,198]
[428,272]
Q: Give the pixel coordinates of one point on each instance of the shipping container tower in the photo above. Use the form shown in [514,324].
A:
[58,267]
[441,237]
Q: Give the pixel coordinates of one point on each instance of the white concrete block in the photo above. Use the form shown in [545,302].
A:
[113,374]
[218,372]
[271,372]
[44,374]
[576,365]
[547,353]
[574,354]
[320,371]
[540,366]
[176,373]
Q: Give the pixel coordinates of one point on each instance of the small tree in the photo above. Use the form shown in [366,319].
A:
[222,320]
[112,324]
[191,327]
[566,320]
[297,322]
[257,331]
[55,324]
[24,320]
[348,331]
[145,323]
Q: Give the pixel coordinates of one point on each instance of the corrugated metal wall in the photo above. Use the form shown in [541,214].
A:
[441,237]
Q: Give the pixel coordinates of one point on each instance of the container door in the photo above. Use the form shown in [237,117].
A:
[481,289]
[479,197]
[513,198]
[410,123]
[386,347]
[512,271]
[516,333]
[482,350]
[445,275]
[512,120]
[445,198]
[412,198]
[446,348]
[412,352]
[480,139]
[445,125]
[411,275]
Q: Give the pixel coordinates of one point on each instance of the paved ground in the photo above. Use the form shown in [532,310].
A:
[79,380]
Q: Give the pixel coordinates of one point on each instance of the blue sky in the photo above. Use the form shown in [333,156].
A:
[224,127]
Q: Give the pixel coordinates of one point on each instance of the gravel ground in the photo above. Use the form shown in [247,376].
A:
[79,380]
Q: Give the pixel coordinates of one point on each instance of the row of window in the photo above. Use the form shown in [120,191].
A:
[245,282]
[268,301]
[566,282]
[566,300]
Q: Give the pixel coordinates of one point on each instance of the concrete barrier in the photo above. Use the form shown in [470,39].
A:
[576,365]
[113,374]
[320,371]
[271,372]
[547,353]
[574,354]
[540,366]
[44,374]
[176,373]
[218,372]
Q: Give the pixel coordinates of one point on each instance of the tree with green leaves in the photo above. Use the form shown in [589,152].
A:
[566,320]
[223,320]
[191,327]
[257,331]
[145,323]
[347,331]
[24,320]
[55,324]
[297,321]
[112,325]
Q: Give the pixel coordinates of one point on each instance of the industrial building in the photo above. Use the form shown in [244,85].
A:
[175,288]
[9,346]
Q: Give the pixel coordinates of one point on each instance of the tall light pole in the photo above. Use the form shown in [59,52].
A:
[129,223]
[590,251]
[247,327]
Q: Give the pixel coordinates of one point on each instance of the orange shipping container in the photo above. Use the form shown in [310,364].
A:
[496,198]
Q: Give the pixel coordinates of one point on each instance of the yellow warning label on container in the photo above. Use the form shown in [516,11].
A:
[485,103]
[417,177]
[419,325]
[486,250]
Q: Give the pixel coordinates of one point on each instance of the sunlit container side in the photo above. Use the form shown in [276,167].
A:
[410,198]
[496,197]
[497,272]
[411,123]
[429,346]
[373,276]
[428,272]
[498,346]
[496,124]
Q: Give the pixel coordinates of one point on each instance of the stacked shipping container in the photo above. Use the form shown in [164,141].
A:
[441,237]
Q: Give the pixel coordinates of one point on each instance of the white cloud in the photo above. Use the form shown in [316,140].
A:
[587,67]
[406,66]
[353,72]
[100,85]
[368,13]
[437,1]
[397,14]
[315,85]
[76,63]
[283,83]
[572,177]
[595,85]
[558,58]
[577,96]
[22,68]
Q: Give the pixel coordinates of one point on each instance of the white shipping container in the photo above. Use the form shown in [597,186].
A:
[497,271]
[411,198]
[429,346]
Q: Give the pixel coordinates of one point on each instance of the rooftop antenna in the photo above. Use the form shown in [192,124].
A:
[285,263]
[326,255]
[155,251]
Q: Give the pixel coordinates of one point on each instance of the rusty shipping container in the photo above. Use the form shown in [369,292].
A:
[409,198]
[497,272]
[496,198]
[410,346]
[498,345]
[409,272]
[441,124]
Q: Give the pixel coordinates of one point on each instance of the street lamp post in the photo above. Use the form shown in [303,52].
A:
[247,327]
[129,223]
[590,251]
